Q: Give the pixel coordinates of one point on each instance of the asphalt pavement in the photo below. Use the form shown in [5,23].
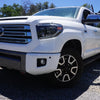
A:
[15,86]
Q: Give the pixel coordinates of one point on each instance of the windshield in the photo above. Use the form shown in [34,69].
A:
[62,12]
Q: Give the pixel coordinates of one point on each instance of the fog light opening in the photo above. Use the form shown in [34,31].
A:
[41,62]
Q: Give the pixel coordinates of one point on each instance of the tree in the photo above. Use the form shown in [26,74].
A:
[14,10]
[52,5]
[17,10]
[86,5]
[3,10]
[39,6]
[32,9]
[27,8]
[45,5]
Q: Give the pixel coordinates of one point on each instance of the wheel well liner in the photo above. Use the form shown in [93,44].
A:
[76,44]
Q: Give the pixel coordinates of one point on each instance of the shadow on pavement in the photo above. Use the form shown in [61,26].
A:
[15,86]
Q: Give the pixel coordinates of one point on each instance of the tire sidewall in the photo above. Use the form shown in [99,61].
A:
[77,56]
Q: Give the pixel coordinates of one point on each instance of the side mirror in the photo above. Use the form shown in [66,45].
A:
[91,18]
[87,21]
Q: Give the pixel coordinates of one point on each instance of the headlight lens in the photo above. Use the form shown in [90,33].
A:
[48,30]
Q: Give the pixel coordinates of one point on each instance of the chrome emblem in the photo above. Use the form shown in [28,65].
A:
[1,31]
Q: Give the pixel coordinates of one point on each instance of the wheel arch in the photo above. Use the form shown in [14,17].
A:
[74,43]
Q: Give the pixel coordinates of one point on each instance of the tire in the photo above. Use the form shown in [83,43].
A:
[69,68]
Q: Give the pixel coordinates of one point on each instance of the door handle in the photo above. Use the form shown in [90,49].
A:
[85,31]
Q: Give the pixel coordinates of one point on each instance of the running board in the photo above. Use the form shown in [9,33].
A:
[91,59]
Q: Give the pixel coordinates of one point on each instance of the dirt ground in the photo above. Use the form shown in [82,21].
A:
[15,86]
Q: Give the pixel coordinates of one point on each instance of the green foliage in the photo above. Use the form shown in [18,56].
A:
[13,10]
[32,9]
[27,8]
[39,6]
[45,5]
[87,5]
[52,5]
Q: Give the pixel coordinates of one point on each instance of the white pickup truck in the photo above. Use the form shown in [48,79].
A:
[57,41]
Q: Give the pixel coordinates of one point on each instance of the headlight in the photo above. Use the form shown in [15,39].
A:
[48,30]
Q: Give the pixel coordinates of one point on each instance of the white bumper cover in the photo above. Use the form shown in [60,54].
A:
[31,63]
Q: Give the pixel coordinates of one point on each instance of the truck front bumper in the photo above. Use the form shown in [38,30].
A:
[28,62]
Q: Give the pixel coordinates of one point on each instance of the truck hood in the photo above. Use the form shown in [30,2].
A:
[28,19]
[49,18]
[14,18]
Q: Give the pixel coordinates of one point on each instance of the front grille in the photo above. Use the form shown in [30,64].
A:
[15,34]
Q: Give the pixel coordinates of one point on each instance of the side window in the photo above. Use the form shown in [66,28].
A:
[95,24]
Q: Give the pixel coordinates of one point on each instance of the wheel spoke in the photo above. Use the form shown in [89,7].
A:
[58,73]
[67,68]
[69,60]
[64,78]
[62,61]
[73,68]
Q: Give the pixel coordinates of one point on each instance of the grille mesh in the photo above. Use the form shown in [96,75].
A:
[15,34]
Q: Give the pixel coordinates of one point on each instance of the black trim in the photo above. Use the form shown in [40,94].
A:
[13,60]
[91,59]
[14,19]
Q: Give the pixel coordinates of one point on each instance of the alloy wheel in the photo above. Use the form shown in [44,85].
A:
[67,68]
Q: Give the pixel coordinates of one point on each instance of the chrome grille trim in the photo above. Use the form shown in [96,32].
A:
[16,34]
